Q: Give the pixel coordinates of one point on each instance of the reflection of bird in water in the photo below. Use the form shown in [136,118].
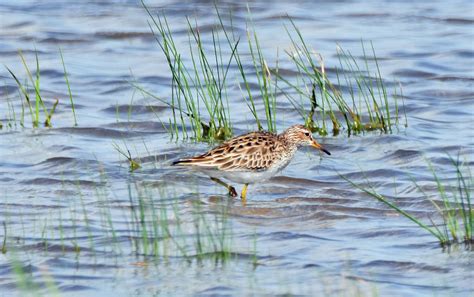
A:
[252,157]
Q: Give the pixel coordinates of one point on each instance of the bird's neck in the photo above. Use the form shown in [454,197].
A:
[285,139]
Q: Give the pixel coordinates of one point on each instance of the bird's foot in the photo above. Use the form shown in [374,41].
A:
[243,196]
[232,192]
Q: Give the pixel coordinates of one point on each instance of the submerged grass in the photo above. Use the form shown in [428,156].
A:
[134,164]
[35,104]
[160,230]
[453,206]
[28,284]
[150,224]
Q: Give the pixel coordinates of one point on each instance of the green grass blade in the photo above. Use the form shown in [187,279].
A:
[68,87]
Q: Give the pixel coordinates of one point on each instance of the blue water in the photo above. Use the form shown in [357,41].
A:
[69,203]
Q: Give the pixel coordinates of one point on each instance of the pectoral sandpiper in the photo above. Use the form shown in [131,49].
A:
[252,157]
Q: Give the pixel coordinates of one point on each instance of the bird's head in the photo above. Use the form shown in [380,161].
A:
[299,135]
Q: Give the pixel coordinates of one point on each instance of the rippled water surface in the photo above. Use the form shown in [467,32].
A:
[77,222]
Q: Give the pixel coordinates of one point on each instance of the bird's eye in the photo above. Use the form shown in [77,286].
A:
[307,134]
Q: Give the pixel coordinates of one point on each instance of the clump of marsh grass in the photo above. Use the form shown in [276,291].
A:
[39,104]
[453,205]
[366,107]
[200,79]
[35,103]
[202,82]
[263,75]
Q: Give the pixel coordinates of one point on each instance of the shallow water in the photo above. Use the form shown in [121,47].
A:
[72,210]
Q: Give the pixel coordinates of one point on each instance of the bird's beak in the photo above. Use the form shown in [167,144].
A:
[319,147]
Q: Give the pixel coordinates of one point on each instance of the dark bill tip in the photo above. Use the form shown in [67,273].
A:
[326,151]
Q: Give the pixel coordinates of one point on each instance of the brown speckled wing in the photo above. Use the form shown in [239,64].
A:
[252,151]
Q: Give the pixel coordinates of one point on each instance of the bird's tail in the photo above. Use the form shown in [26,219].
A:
[182,162]
[199,161]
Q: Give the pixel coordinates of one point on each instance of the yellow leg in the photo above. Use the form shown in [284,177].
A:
[244,193]
[231,189]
